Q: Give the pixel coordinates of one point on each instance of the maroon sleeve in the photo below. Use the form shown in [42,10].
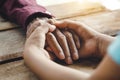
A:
[22,11]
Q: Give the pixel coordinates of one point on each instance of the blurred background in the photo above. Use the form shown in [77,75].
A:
[109,4]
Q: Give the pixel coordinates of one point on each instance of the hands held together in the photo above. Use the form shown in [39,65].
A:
[69,41]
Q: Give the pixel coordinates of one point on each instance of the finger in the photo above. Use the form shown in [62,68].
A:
[71,44]
[51,54]
[52,42]
[48,49]
[52,28]
[67,24]
[31,28]
[39,23]
[80,28]
[46,26]
[51,21]
[64,45]
[76,39]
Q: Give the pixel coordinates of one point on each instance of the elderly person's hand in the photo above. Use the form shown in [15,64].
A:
[38,36]
[92,43]
[38,59]
[63,44]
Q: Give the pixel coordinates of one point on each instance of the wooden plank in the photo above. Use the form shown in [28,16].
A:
[18,71]
[5,24]
[11,43]
[106,22]
[62,11]
[72,9]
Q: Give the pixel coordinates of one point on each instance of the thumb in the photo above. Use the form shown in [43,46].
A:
[47,27]
[80,28]
[65,24]
[52,28]
[75,26]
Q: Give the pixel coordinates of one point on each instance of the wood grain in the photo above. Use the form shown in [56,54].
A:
[12,41]
[105,22]
[5,24]
[16,71]
[61,11]
[11,44]
[75,8]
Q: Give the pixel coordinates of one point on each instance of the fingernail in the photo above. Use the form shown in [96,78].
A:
[52,28]
[61,55]
[75,56]
[69,60]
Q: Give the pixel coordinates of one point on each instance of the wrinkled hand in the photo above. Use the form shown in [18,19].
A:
[92,43]
[67,50]
[64,43]
[38,36]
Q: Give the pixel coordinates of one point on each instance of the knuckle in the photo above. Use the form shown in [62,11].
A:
[66,21]
[59,50]
[68,34]
[62,36]
[67,55]
[50,35]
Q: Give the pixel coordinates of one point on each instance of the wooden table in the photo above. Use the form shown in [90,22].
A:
[12,37]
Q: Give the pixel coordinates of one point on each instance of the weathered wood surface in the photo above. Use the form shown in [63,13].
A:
[18,71]
[75,8]
[4,24]
[11,44]
[12,41]
[105,22]
[62,11]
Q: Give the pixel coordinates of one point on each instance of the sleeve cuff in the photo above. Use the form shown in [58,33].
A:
[30,13]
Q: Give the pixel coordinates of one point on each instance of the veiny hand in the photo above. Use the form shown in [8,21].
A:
[64,43]
[67,49]
[38,36]
[92,43]
[37,58]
